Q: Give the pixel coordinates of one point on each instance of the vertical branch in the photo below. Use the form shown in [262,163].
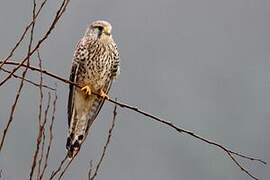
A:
[90,170]
[39,138]
[40,110]
[55,172]
[42,153]
[50,138]
[22,80]
[105,146]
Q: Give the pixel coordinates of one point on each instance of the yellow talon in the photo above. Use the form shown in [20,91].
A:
[103,94]
[87,90]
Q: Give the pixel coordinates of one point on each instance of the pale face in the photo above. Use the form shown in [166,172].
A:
[99,29]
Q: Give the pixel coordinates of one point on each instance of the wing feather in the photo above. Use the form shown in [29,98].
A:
[99,103]
[72,78]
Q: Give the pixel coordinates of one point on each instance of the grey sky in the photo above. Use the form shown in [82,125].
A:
[202,64]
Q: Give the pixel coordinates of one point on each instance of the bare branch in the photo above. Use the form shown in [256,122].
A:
[90,170]
[50,138]
[42,153]
[39,138]
[22,80]
[27,80]
[23,35]
[105,146]
[59,13]
[55,172]
[40,109]
[163,121]
[13,107]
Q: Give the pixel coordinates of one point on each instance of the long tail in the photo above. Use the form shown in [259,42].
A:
[80,124]
[72,146]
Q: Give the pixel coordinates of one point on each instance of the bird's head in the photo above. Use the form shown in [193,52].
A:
[99,29]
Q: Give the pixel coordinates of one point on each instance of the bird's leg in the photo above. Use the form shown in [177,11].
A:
[87,90]
[103,94]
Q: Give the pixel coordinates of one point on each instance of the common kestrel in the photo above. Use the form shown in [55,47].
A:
[95,65]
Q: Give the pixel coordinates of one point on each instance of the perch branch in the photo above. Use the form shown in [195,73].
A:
[229,152]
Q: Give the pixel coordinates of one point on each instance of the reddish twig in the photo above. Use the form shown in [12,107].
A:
[41,154]
[39,138]
[50,138]
[90,170]
[40,110]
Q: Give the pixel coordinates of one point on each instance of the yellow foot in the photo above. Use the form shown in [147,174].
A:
[87,90]
[103,94]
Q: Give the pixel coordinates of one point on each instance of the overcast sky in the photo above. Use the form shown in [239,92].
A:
[203,64]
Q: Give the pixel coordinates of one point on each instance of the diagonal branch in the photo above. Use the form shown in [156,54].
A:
[136,109]
[27,80]
[229,152]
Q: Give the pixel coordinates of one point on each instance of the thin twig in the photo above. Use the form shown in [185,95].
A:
[50,137]
[59,13]
[65,169]
[55,172]
[40,109]
[90,170]
[23,35]
[106,145]
[41,154]
[27,80]
[151,116]
[39,138]
[22,80]
[102,156]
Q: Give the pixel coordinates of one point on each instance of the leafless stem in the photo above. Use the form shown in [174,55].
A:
[23,35]
[166,122]
[22,80]
[41,153]
[50,138]
[105,146]
[90,170]
[25,62]
[39,138]
[40,110]
[55,172]
[59,13]
[65,169]
[27,80]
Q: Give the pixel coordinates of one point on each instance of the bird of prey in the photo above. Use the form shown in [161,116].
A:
[95,65]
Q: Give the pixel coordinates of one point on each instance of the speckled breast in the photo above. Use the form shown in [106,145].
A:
[99,68]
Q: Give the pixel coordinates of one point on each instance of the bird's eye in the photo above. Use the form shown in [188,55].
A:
[100,28]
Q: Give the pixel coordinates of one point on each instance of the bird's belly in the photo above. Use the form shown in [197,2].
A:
[97,80]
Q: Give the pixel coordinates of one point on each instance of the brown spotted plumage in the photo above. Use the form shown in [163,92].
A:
[95,65]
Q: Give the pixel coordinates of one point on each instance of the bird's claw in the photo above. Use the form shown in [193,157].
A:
[87,90]
[103,94]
